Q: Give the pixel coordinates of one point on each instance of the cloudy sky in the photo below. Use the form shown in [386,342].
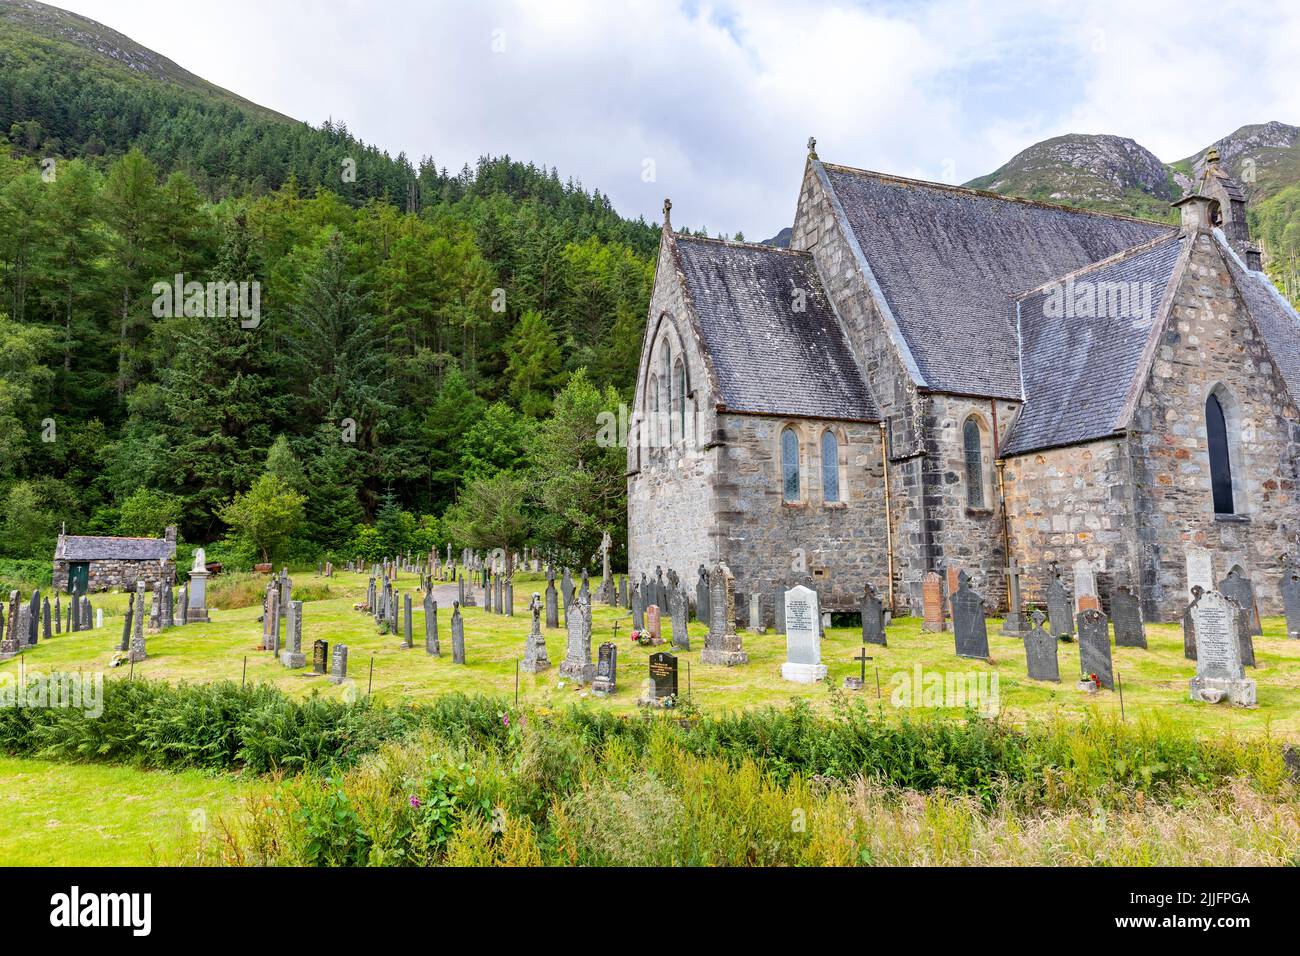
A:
[712,103]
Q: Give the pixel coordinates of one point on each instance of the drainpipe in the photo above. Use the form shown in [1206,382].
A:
[1000,465]
[889,521]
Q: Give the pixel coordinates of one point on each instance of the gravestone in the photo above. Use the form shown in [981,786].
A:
[873,617]
[1060,622]
[339,664]
[932,602]
[408,636]
[803,650]
[552,600]
[653,625]
[702,597]
[137,649]
[125,644]
[951,580]
[34,613]
[1094,648]
[1088,602]
[292,656]
[577,665]
[662,681]
[1189,625]
[168,609]
[184,604]
[1041,651]
[1126,615]
[606,681]
[1238,587]
[778,608]
[431,646]
[535,658]
[1220,673]
[45,619]
[466,594]
[24,622]
[1291,602]
[457,636]
[660,589]
[9,639]
[969,630]
[1085,583]
[606,592]
[722,644]
[677,619]
[1200,569]
[510,595]
[1015,624]
[622,591]
[58,615]
[638,609]
[272,639]
[756,612]
[566,592]
[320,657]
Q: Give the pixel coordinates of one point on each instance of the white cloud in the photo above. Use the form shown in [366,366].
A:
[723,96]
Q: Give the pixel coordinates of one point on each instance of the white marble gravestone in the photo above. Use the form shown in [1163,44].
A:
[802,637]
[1200,569]
[1219,672]
[1085,581]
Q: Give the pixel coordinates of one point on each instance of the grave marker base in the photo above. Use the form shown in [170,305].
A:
[1239,692]
[803,673]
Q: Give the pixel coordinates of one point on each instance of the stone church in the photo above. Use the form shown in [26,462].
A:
[932,376]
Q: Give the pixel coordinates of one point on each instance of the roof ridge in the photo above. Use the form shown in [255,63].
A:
[756,246]
[988,194]
[1120,256]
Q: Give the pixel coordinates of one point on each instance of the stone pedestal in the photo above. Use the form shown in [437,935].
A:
[197,611]
[803,673]
[1240,692]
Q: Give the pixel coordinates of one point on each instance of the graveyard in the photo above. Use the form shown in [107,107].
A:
[1154,680]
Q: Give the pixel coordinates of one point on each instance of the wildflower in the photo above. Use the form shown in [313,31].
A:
[415,801]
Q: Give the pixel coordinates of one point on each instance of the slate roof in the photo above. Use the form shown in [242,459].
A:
[1278,321]
[767,357]
[73,547]
[1078,369]
[949,261]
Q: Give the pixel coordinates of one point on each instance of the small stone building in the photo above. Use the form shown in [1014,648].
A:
[934,377]
[102,563]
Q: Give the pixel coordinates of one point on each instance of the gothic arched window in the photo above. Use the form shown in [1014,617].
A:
[973,441]
[665,374]
[830,467]
[790,465]
[1216,431]
[679,395]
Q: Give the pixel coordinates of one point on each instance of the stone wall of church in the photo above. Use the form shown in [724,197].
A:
[1210,344]
[767,541]
[1072,503]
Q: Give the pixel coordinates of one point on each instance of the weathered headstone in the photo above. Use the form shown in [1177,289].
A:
[566,592]
[408,635]
[1291,602]
[431,646]
[678,617]
[1219,668]
[137,650]
[803,651]
[9,639]
[622,591]
[702,597]
[58,615]
[1238,587]
[552,601]
[339,664]
[1015,624]
[292,656]
[606,592]
[605,683]
[1189,625]
[184,604]
[535,657]
[873,617]
[1200,569]
[1040,652]
[1094,648]
[1126,615]
[457,636]
[1060,621]
[1085,582]
[320,657]
[932,602]
[638,609]
[756,612]
[577,665]
[125,644]
[969,630]
[722,645]
[168,608]
[45,619]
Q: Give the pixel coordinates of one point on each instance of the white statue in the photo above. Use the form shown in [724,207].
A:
[200,562]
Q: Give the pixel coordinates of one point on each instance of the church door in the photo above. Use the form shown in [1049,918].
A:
[78,577]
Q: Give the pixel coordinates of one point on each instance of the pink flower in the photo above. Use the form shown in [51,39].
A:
[505,721]
[415,801]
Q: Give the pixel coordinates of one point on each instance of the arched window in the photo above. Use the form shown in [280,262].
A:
[679,395]
[790,465]
[665,371]
[654,412]
[1216,431]
[973,440]
[830,467]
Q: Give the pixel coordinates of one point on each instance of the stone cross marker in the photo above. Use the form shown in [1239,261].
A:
[803,650]
[1014,625]
[577,665]
[1060,621]
[1219,667]
[1094,648]
[970,632]
[606,592]
[1238,587]
[535,658]
[677,619]
[1041,652]
[722,645]
[605,683]
[873,617]
[1126,615]
[431,646]
[932,602]
[1291,602]
[457,635]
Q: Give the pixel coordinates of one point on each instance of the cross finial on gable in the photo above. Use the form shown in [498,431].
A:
[668,208]
[812,146]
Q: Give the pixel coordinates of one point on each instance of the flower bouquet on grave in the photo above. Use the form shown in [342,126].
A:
[1091,683]
[642,637]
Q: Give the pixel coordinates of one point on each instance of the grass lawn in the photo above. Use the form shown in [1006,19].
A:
[59,814]
[1154,679]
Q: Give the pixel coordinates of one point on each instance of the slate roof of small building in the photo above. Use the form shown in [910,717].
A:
[72,547]
[768,357]
[949,261]
[1277,319]
[1078,369]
